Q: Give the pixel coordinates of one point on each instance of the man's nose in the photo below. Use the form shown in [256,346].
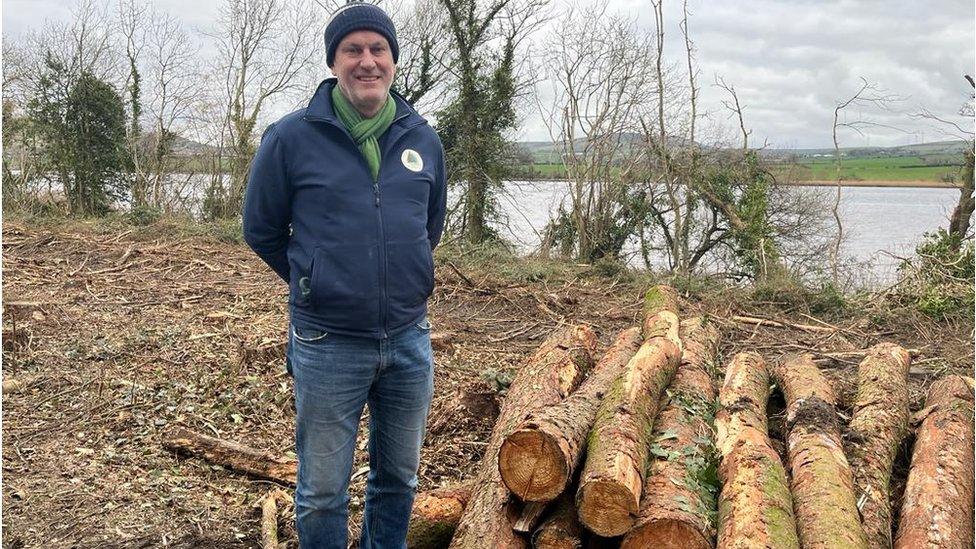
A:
[368,61]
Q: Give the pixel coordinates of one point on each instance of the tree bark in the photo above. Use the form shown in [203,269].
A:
[562,529]
[959,222]
[821,480]
[256,463]
[755,505]
[551,374]
[435,516]
[878,427]
[538,460]
[678,503]
[937,508]
[612,478]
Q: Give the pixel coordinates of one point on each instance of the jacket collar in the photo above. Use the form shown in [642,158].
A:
[320,107]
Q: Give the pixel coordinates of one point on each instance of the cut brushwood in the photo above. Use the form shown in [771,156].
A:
[677,509]
[755,505]
[237,457]
[539,458]
[435,516]
[612,478]
[878,427]
[821,480]
[937,508]
[551,374]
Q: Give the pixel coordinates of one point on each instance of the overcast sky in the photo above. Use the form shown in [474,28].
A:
[790,61]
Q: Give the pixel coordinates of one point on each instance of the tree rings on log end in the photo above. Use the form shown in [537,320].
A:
[665,534]
[606,508]
[532,466]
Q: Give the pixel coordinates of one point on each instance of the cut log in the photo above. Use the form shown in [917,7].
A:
[677,508]
[657,299]
[612,477]
[538,460]
[551,374]
[878,427]
[562,529]
[937,508]
[821,480]
[256,463]
[755,505]
[435,516]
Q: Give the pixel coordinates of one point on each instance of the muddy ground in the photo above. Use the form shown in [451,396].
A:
[115,333]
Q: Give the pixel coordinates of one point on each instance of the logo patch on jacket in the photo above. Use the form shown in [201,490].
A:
[411,160]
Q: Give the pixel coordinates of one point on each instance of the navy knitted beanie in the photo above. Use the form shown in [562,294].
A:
[358,15]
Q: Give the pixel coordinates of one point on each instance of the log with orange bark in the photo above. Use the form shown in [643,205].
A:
[937,508]
[561,529]
[612,478]
[551,374]
[678,503]
[878,427]
[820,479]
[755,505]
[435,516]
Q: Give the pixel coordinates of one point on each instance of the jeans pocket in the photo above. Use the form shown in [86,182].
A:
[308,335]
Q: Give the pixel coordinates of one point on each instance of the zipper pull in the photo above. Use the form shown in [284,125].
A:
[376,193]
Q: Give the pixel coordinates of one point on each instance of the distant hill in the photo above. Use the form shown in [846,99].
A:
[951,148]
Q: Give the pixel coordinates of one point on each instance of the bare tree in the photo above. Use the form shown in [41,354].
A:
[871,96]
[602,78]
[263,48]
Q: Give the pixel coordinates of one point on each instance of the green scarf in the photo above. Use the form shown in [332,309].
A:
[365,131]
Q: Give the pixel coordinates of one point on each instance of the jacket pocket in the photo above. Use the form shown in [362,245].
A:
[345,285]
[411,272]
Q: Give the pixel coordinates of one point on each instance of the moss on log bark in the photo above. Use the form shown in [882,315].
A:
[677,507]
[937,508]
[612,478]
[538,460]
[821,480]
[551,374]
[878,427]
[755,504]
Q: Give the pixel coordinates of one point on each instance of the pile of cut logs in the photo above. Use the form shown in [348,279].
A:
[632,452]
[636,451]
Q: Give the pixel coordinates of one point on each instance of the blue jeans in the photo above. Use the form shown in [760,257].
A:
[335,376]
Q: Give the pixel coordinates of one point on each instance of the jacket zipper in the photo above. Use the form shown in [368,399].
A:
[384,305]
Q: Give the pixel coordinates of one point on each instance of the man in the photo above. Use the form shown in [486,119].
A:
[346,202]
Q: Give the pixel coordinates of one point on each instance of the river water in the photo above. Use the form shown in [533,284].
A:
[876,220]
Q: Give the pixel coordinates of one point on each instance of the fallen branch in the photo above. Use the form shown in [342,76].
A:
[781,324]
[237,457]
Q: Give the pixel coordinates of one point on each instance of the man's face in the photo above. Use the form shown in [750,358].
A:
[364,66]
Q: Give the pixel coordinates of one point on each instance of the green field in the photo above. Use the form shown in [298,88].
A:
[862,168]
[881,168]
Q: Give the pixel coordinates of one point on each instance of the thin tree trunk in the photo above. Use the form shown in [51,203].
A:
[878,427]
[821,480]
[551,374]
[678,504]
[755,505]
[937,508]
